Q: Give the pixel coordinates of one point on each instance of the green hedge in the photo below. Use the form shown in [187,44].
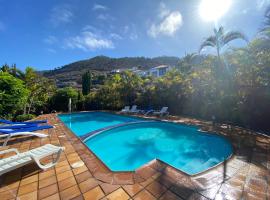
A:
[25,117]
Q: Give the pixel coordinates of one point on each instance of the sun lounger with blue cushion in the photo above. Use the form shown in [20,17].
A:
[126,109]
[8,133]
[17,126]
[3,121]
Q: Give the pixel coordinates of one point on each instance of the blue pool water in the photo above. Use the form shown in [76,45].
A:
[82,123]
[128,147]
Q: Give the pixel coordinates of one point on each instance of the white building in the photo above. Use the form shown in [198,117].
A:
[159,70]
[155,71]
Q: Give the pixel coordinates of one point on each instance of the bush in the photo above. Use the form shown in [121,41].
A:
[13,94]
[59,101]
[25,117]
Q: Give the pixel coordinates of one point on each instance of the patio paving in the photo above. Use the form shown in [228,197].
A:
[246,175]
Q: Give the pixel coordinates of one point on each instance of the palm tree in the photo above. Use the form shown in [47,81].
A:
[265,31]
[185,64]
[221,39]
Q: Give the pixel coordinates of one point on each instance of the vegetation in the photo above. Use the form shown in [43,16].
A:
[24,117]
[59,101]
[40,90]
[86,83]
[23,92]
[265,31]
[13,95]
[220,39]
[72,73]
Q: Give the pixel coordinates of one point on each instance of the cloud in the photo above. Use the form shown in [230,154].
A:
[97,7]
[88,41]
[115,36]
[50,40]
[133,36]
[90,28]
[262,4]
[126,29]
[131,32]
[50,50]
[105,17]
[61,14]
[168,25]
[163,10]
[102,17]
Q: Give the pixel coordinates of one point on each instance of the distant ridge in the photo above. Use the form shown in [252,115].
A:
[103,64]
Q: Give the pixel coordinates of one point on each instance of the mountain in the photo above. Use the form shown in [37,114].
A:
[71,74]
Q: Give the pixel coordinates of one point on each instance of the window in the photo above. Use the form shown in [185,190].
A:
[162,71]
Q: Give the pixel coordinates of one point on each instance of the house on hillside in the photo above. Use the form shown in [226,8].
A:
[117,71]
[159,70]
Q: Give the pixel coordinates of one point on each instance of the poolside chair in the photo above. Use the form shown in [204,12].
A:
[126,109]
[147,112]
[17,126]
[134,109]
[34,155]
[163,111]
[24,129]
[8,133]
[3,121]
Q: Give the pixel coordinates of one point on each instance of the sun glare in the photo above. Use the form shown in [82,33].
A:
[212,10]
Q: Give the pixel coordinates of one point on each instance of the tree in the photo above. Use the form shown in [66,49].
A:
[220,39]
[265,31]
[80,101]
[40,89]
[59,101]
[13,94]
[13,70]
[5,68]
[187,62]
[86,83]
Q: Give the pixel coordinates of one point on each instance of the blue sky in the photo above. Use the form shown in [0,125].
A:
[50,33]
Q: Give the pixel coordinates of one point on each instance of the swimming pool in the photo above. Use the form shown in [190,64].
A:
[85,122]
[128,147]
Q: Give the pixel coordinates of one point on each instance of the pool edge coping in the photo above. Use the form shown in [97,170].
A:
[151,161]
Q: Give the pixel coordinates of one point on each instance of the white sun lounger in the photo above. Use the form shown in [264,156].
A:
[163,111]
[125,109]
[34,155]
[7,136]
[134,109]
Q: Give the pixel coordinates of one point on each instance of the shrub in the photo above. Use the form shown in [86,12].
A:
[25,117]
[13,94]
[59,101]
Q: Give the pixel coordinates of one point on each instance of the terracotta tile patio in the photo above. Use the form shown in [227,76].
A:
[246,175]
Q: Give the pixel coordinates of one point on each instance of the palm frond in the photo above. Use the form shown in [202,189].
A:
[220,32]
[266,23]
[267,12]
[209,42]
[233,35]
[265,29]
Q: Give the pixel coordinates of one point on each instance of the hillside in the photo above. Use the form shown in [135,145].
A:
[71,74]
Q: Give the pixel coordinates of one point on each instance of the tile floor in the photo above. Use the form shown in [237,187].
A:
[245,176]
